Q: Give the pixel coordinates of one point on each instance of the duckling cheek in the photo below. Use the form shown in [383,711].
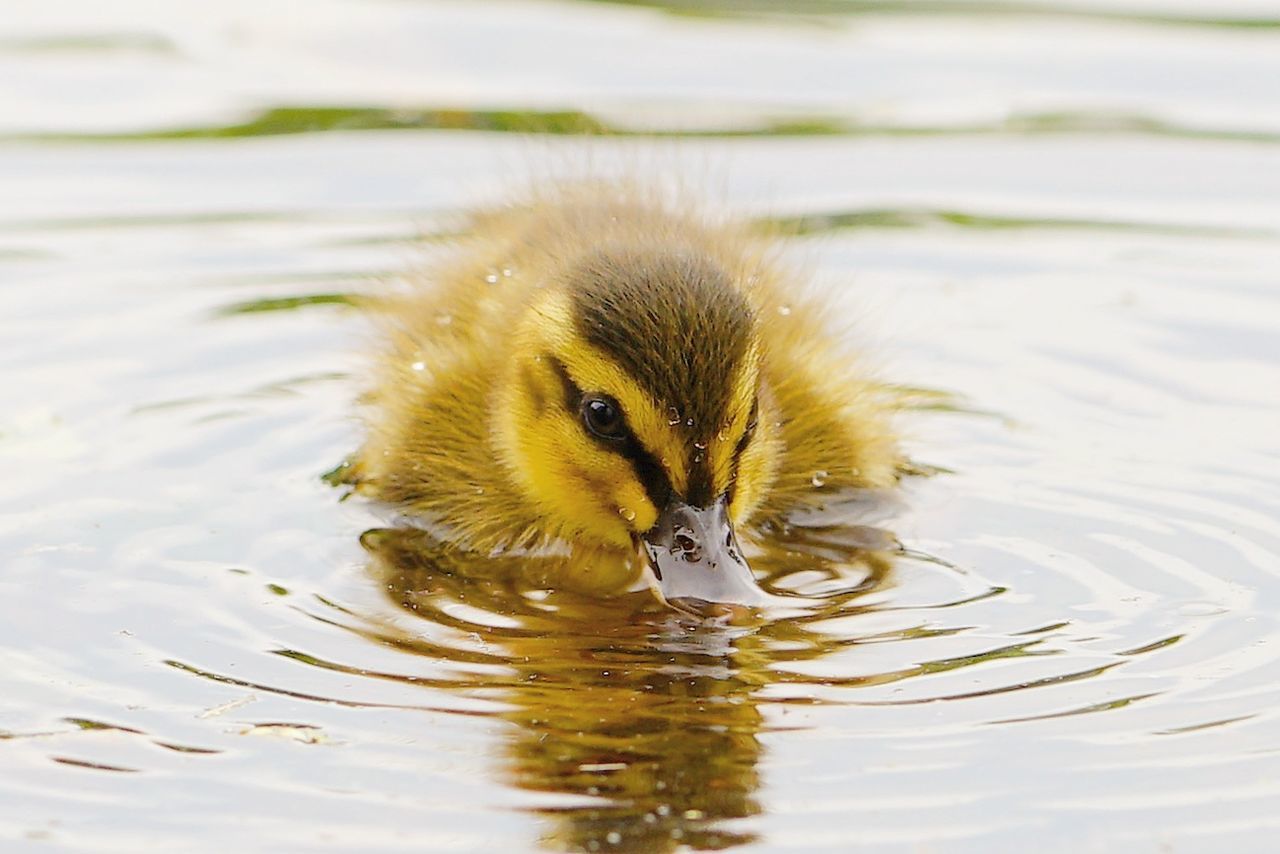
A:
[588,497]
[615,508]
[634,507]
[756,471]
[746,493]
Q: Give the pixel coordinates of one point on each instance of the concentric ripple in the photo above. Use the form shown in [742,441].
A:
[1062,634]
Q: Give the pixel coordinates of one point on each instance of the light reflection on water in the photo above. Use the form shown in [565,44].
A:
[650,718]
[1075,647]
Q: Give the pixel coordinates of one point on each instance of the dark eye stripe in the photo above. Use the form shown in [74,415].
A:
[743,443]
[648,471]
[572,394]
[747,434]
[653,477]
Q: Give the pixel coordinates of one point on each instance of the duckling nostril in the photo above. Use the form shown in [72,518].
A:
[686,546]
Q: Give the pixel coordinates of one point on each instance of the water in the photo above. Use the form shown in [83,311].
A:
[1066,219]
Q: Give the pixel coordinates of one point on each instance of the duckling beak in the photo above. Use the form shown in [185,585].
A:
[695,558]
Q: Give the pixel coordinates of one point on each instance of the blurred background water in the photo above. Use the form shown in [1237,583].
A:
[1065,216]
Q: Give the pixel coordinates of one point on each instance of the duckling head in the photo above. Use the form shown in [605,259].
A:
[633,415]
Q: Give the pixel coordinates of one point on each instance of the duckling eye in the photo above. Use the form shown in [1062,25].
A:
[603,417]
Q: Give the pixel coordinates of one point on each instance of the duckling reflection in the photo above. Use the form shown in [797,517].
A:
[649,719]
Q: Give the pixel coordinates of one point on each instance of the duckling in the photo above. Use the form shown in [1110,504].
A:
[617,388]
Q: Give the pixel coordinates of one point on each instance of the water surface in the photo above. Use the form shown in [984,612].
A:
[1064,219]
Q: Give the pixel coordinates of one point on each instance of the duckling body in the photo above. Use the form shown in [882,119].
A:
[595,373]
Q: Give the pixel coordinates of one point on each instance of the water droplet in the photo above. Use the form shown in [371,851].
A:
[688,422]
[784,309]
[819,478]
[492,278]
[627,513]
[701,446]
[507,272]
[419,366]
[698,458]
[673,416]
[613,837]
[444,319]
